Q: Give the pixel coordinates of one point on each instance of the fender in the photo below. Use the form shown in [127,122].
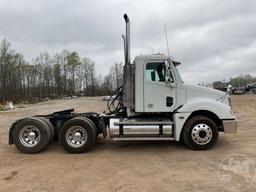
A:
[222,110]
[10,140]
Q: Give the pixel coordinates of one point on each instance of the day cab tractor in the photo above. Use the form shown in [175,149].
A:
[153,104]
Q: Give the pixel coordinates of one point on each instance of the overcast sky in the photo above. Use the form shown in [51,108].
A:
[214,39]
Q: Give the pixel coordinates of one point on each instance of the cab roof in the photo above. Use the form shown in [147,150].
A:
[156,57]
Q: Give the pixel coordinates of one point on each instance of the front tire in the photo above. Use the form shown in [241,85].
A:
[77,135]
[200,133]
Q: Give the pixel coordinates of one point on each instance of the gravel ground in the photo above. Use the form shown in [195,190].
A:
[125,166]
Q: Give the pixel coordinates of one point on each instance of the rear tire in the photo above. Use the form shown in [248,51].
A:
[200,133]
[92,124]
[77,135]
[50,127]
[31,135]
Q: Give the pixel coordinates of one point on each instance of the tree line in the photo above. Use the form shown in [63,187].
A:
[52,76]
[241,81]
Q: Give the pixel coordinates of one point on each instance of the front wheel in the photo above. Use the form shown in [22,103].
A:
[200,133]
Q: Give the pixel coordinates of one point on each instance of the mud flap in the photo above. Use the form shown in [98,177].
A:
[11,142]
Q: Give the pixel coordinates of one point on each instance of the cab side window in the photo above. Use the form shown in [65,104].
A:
[155,71]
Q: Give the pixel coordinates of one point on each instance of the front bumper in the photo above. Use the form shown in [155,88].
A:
[230,126]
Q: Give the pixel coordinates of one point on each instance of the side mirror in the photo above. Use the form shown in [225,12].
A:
[168,77]
[229,89]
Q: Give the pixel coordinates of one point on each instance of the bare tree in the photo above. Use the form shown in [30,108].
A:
[51,76]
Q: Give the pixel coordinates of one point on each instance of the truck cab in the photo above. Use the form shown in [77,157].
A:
[159,88]
[157,84]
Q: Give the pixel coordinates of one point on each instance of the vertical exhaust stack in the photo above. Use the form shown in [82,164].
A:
[127,39]
[128,73]
[124,40]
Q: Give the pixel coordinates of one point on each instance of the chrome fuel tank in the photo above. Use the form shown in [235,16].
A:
[138,128]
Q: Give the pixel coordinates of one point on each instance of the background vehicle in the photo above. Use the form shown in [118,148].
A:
[153,104]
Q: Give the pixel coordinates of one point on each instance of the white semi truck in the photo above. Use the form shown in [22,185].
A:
[153,104]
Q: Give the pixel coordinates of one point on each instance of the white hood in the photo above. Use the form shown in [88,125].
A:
[200,91]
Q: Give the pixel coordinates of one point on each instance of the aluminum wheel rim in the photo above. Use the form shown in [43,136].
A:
[76,136]
[201,134]
[29,136]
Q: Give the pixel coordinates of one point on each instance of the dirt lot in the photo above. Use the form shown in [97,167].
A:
[122,166]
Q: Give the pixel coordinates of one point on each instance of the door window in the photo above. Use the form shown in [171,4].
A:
[156,71]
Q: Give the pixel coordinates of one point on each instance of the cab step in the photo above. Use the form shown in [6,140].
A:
[134,123]
[143,139]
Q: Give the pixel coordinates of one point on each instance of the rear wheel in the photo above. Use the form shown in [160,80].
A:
[200,133]
[77,135]
[31,135]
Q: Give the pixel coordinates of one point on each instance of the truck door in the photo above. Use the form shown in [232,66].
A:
[159,93]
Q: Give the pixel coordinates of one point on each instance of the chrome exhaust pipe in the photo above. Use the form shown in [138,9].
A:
[124,41]
[128,72]
[127,39]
